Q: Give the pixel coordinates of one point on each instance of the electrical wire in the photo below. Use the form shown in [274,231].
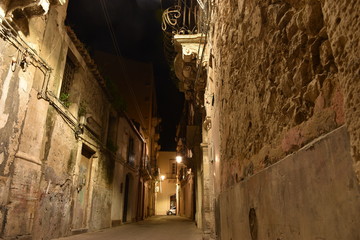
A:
[7,34]
[122,67]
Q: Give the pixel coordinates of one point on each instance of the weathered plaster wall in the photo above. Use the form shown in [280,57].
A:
[187,197]
[312,194]
[62,151]
[39,151]
[20,158]
[118,194]
[102,195]
[122,168]
[125,131]
[53,217]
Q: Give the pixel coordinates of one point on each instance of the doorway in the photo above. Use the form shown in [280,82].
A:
[81,199]
[126,197]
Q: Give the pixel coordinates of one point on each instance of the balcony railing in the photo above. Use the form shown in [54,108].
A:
[185,20]
[181,18]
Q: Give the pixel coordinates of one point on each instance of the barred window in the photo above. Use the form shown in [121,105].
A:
[68,76]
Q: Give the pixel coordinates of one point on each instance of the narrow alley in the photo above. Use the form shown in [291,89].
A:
[157,228]
[179,119]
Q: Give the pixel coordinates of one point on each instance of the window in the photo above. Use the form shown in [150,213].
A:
[130,153]
[173,168]
[68,77]
[112,134]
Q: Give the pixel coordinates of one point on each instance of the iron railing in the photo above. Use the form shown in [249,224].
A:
[181,18]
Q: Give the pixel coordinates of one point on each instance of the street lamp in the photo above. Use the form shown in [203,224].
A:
[178,159]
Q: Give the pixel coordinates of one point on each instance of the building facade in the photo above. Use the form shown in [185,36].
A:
[175,186]
[71,161]
[166,183]
[275,83]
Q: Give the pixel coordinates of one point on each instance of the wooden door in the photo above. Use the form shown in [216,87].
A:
[82,194]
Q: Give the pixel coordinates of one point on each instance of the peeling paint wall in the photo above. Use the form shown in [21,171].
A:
[58,155]
[20,158]
[55,174]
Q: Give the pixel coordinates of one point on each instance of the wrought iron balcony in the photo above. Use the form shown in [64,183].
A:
[181,18]
[185,26]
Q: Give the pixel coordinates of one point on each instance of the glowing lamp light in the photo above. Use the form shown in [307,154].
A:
[162,177]
[178,159]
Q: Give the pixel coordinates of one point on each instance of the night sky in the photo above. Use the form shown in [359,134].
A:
[137,26]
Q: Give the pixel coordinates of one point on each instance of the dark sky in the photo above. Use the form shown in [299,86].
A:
[137,26]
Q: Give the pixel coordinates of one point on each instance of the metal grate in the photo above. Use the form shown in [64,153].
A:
[181,18]
[68,76]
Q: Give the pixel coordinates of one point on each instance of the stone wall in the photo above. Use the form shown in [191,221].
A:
[279,80]
[283,73]
[312,194]
[342,24]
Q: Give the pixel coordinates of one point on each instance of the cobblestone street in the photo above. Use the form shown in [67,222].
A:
[159,228]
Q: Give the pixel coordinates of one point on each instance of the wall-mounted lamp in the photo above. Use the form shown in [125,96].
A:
[178,159]
[162,177]
[82,120]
